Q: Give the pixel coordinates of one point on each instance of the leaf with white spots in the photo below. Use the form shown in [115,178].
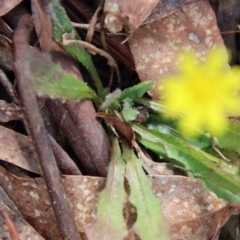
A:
[155,46]
[150,223]
[124,12]
[17,149]
[12,222]
[189,209]
[109,222]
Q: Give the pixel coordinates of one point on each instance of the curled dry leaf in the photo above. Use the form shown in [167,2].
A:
[155,46]
[17,149]
[151,167]
[190,210]
[124,12]
[7,5]
[125,130]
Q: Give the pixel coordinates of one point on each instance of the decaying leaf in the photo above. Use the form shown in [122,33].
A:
[190,210]
[193,212]
[155,46]
[151,167]
[165,8]
[12,224]
[124,12]
[109,222]
[17,149]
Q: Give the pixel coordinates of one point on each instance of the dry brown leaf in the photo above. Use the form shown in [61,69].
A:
[155,46]
[124,12]
[17,149]
[165,8]
[191,211]
[12,224]
[123,128]
[8,5]
[151,167]
[6,57]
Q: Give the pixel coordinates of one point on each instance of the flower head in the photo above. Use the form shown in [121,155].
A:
[202,94]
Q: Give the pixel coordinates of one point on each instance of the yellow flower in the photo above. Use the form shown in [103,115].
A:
[202,94]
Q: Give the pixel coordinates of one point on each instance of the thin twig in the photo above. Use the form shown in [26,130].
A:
[230,32]
[10,226]
[8,87]
[217,150]
[38,133]
[93,23]
[92,49]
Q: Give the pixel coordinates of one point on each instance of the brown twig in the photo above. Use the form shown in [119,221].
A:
[38,133]
[230,32]
[68,41]
[10,225]
[8,87]
[115,47]
[92,24]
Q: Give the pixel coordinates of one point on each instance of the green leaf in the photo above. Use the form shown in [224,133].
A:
[61,22]
[197,163]
[231,138]
[47,78]
[150,223]
[136,91]
[111,100]
[61,25]
[109,222]
[154,105]
[169,126]
[129,113]
[231,166]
